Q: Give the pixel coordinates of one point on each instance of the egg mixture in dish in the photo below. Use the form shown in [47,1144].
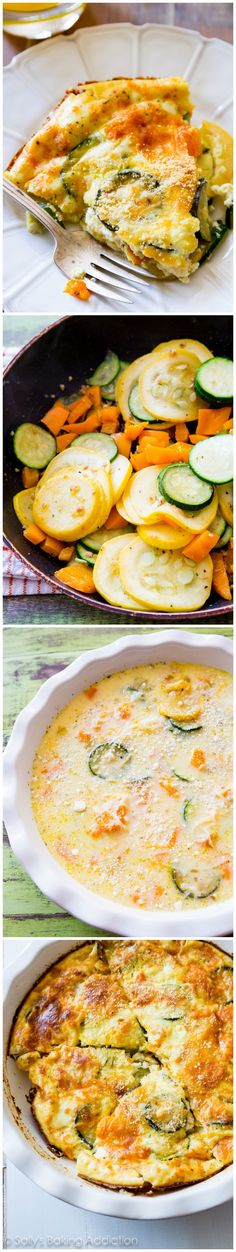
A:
[132,786]
[128,1050]
[122,159]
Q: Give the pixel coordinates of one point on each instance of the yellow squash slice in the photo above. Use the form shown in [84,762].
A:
[181,706]
[163,536]
[226,499]
[83,457]
[221,148]
[194,521]
[68,506]
[120,471]
[166,385]
[164,581]
[23,505]
[107,577]
[102,479]
[188,345]
[126,382]
[142,496]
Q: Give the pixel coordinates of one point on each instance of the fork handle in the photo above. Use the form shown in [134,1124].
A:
[22,198]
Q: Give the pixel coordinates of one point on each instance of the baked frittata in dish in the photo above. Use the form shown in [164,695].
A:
[128,1049]
[122,159]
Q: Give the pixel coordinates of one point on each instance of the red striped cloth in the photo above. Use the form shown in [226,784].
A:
[20,580]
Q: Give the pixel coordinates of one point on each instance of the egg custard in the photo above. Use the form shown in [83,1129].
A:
[122,159]
[128,1050]
[132,786]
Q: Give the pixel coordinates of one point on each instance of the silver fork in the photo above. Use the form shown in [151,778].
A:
[76,253]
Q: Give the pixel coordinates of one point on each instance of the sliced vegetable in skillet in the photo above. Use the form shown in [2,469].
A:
[109,389]
[163,580]
[180,485]
[214,380]
[85,554]
[193,520]
[167,385]
[95,541]
[137,408]
[107,371]
[33,446]
[225,497]
[219,525]
[23,505]
[212,459]
[98,442]
[225,537]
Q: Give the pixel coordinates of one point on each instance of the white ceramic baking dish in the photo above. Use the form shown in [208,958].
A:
[135,649]
[26,1147]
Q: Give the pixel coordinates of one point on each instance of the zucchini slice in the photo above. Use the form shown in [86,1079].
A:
[225,537]
[212,460]
[109,760]
[137,408]
[179,484]
[164,581]
[200,209]
[97,442]
[219,526]
[85,1122]
[219,231]
[187,810]
[107,371]
[23,505]
[184,727]
[166,1114]
[95,541]
[181,777]
[125,383]
[109,389]
[85,554]
[33,445]
[214,381]
[195,880]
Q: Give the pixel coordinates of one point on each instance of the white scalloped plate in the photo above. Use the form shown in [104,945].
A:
[34,82]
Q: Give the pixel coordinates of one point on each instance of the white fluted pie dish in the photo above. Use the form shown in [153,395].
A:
[26,842]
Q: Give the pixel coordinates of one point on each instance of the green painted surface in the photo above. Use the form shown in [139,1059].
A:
[30,656]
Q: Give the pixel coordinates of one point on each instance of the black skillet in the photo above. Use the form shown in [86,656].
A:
[67,353]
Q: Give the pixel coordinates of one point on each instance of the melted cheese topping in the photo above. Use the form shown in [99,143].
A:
[132,786]
[129,1049]
[122,158]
